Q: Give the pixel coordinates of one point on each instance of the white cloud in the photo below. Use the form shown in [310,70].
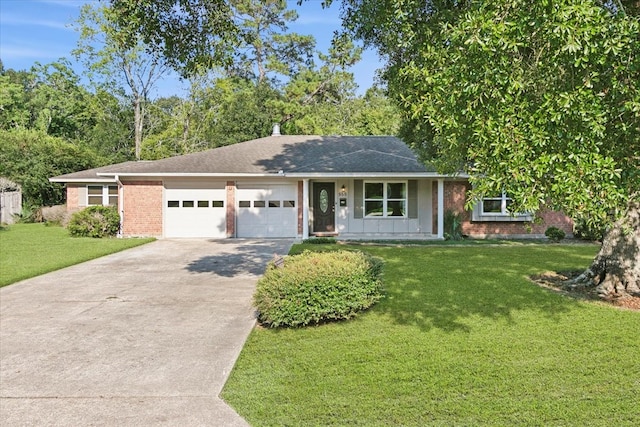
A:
[9,19]
[22,52]
[65,3]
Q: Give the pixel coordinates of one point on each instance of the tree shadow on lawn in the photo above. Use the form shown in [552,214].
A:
[239,257]
[434,292]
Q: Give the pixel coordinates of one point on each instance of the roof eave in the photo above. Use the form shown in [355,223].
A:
[373,175]
[187,175]
[301,175]
[81,180]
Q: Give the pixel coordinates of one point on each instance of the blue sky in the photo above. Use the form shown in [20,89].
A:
[39,31]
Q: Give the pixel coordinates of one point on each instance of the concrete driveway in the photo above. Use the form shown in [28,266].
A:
[143,337]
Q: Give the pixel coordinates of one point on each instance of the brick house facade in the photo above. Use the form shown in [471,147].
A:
[355,187]
[454,201]
[141,207]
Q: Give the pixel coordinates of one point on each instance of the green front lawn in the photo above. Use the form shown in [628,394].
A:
[28,250]
[462,338]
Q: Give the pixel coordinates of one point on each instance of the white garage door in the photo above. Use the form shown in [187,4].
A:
[195,210]
[267,210]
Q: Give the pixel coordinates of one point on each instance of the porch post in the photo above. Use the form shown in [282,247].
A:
[441,208]
[230,204]
[305,209]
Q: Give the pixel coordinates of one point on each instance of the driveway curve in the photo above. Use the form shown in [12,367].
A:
[143,337]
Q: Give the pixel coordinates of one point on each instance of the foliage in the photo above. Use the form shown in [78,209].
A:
[28,215]
[110,137]
[554,234]
[588,231]
[190,34]
[311,288]
[31,157]
[320,241]
[116,64]
[13,113]
[452,225]
[6,185]
[267,49]
[29,250]
[48,98]
[95,221]
[537,99]
[56,215]
[462,338]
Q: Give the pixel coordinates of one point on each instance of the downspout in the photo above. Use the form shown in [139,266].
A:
[441,208]
[305,209]
[120,205]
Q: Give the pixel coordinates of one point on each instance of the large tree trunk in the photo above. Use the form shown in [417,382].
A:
[616,269]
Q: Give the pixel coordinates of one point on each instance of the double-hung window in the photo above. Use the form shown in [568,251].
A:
[105,195]
[385,199]
[497,209]
[496,205]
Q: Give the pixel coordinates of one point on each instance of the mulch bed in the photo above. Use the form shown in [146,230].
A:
[561,282]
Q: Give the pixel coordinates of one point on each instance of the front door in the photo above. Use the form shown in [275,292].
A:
[324,218]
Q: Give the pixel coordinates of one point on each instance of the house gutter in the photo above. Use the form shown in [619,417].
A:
[281,174]
[120,205]
[79,180]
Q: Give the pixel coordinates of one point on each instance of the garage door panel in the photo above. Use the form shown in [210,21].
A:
[267,210]
[195,212]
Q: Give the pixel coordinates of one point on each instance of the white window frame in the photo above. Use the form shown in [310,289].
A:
[385,199]
[480,215]
[105,194]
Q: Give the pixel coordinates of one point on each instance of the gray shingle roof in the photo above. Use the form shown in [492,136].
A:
[92,174]
[293,154]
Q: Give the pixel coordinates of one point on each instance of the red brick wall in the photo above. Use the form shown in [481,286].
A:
[142,208]
[231,208]
[454,199]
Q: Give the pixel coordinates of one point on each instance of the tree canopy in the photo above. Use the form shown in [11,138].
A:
[537,99]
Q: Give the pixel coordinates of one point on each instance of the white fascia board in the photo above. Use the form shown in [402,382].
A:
[84,180]
[189,175]
[371,175]
[284,175]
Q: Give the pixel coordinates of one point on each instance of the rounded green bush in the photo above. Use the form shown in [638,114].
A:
[95,221]
[554,234]
[315,287]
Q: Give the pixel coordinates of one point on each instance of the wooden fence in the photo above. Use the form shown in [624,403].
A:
[10,204]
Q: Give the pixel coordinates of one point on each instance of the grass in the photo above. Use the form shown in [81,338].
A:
[462,338]
[28,250]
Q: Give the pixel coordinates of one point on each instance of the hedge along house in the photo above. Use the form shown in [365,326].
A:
[351,187]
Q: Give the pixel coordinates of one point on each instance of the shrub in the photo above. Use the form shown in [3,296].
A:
[320,241]
[554,234]
[95,221]
[29,214]
[315,287]
[586,231]
[452,226]
[56,215]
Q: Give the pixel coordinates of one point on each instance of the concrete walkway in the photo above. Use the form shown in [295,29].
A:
[143,337]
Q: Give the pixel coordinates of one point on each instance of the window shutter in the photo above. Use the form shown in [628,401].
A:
[413,198]
[357,199]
